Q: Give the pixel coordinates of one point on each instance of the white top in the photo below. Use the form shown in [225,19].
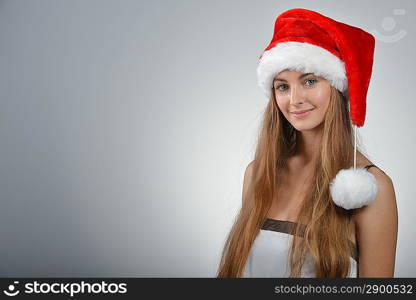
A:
[268,256]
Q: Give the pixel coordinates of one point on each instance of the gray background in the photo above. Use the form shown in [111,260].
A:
[126,127]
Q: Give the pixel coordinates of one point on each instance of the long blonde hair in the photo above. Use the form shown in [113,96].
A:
[325,231]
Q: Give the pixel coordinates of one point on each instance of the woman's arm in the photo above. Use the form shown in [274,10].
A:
[247,181]
[376,230]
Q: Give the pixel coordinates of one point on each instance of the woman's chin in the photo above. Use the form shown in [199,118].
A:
[304,127]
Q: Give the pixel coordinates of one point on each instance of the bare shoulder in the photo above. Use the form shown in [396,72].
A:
[384,203]
[385,183]
[248,174]
[385,200]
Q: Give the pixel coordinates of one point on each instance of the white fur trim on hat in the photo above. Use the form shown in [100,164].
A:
[353,188]
[302,57]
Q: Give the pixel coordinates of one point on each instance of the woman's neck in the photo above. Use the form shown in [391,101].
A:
[308,146]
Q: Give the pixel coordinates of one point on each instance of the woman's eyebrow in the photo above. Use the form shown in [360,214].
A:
[300,77]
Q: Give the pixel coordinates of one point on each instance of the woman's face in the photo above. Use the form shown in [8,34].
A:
[296,91]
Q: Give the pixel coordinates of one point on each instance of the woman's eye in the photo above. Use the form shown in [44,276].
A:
[313,80]
[279,87]
[283,87]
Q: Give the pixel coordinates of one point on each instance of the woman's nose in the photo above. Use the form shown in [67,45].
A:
[296,94]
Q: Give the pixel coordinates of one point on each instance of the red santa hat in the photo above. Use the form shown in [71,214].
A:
[309,42]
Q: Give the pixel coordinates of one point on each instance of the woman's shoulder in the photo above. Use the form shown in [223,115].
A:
[381,176]
[376,228]
[385,198]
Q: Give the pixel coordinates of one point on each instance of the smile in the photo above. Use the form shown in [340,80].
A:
[303,114]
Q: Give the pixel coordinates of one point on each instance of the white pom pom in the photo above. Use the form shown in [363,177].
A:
[353,188]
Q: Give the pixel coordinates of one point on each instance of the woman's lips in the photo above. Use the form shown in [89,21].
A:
[303,114]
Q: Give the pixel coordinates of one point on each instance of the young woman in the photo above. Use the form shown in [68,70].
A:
[292,223]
